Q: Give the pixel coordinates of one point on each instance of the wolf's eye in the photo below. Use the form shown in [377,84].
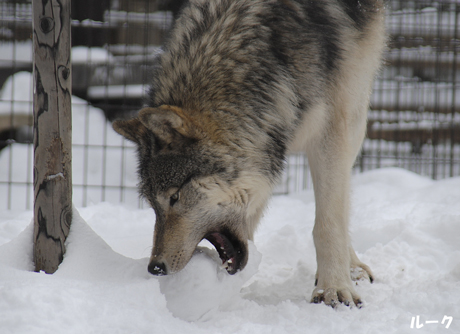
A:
[173,199]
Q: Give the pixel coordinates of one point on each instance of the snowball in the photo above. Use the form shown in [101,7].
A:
[203,286]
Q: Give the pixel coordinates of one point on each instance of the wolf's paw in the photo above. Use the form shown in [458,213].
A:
[334,296]
[360,271]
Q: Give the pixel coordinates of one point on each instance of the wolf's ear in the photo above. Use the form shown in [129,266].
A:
[132,129]
[165,122]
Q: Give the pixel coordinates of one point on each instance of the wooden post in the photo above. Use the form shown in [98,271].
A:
[52,132]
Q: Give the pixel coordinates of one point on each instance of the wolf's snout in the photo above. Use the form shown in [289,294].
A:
[157,268]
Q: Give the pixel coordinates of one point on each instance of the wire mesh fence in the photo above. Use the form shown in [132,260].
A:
[414,120]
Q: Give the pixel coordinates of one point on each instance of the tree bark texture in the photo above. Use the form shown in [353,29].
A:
[52,132]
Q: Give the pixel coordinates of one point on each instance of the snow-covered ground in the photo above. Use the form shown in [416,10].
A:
[406,227]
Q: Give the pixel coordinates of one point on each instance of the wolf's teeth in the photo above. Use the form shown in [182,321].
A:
[227,264]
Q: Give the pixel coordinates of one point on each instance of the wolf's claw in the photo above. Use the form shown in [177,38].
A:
[361,272]
[333,297]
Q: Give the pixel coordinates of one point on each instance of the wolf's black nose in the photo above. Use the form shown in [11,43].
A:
[157,268]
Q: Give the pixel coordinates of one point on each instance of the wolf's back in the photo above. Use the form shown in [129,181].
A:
[259,65]
[217,47]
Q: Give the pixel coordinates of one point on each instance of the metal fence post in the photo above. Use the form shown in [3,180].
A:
[52,132]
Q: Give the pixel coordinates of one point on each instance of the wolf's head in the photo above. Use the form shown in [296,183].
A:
[191,180]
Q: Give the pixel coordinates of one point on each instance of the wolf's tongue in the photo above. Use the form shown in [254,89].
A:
[225,249]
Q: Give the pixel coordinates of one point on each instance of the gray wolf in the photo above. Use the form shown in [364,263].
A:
[239,85]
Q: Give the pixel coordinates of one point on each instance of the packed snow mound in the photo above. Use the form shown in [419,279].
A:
[89,257]
[18,88]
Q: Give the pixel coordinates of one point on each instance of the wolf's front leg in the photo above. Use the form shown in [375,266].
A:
[330,234]
[330,162]
[333,284]
[359,271]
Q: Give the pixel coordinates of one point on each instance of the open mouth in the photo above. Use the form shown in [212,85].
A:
[231,251]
